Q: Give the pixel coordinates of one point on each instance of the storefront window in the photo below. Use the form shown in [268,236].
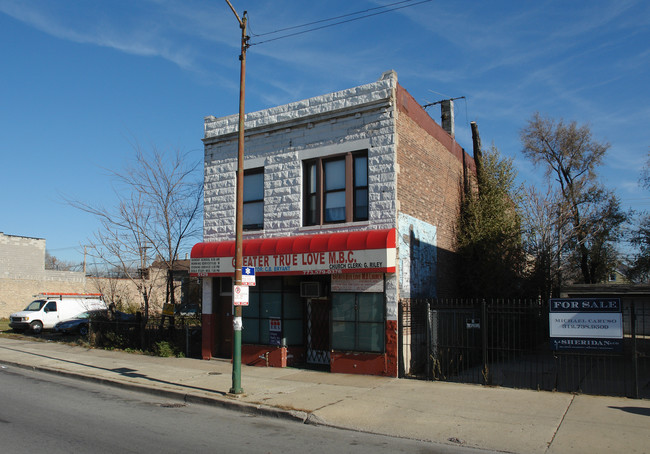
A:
[358,322]
[251,319]
[273,299]
[292,317]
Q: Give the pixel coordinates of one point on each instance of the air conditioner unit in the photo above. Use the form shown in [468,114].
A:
[310,289]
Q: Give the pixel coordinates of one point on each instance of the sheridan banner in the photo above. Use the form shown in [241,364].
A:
[334,262]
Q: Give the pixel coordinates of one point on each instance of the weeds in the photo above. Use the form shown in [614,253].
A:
[166,350]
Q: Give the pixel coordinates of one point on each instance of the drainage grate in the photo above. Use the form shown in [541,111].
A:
[173,405]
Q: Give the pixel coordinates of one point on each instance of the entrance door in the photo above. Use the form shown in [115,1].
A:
[222,307]
[318,331]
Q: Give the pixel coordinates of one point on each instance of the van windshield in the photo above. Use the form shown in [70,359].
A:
[35,305]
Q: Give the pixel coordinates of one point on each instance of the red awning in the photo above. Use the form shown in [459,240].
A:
[306,249]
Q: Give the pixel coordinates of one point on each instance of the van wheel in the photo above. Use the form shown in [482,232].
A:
[83,330]
[37,327]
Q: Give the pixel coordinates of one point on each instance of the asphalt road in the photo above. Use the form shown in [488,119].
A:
[42,412]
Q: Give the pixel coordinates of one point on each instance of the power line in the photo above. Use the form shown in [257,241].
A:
[327,20]
[336,18]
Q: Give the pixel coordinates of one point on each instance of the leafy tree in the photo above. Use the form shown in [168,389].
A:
[489,234]
[570,157]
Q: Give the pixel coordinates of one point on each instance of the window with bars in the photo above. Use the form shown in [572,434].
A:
[336,189]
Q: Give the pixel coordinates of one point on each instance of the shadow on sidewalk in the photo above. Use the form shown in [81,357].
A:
[123,371]
[635,410]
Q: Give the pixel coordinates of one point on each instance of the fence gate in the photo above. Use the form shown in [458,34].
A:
[507,343]
[318,331]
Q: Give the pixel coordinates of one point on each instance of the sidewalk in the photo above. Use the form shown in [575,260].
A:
[509,420]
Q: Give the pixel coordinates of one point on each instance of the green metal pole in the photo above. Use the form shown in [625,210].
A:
[239,212]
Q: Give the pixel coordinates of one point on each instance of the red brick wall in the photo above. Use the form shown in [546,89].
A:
[432,168]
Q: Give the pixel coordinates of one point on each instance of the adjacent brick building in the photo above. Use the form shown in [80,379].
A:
[351,202]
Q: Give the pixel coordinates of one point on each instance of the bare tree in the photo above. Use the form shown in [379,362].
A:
[570,157]
[155,218]
[173,198]
[545,235]
[639,236]
[53,263]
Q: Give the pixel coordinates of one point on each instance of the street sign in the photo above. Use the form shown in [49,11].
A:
[240,295]
[248,275]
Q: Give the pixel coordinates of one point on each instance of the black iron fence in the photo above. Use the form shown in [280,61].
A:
[157,336]
[506,343]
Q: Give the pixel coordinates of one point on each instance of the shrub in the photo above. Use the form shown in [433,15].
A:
[164,349]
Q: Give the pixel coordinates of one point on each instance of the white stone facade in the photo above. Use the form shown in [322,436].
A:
[281,138]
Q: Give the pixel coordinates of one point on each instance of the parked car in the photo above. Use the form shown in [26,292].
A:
[52,308]
[80,323]
[189,310]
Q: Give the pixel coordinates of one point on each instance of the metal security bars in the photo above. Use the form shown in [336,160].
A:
[506,343]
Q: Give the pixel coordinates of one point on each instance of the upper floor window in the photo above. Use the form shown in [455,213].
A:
[253,199]
[336,189]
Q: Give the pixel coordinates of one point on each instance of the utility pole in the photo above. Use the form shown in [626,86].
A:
[239,211]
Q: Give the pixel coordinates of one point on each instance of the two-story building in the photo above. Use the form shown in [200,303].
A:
[351,201]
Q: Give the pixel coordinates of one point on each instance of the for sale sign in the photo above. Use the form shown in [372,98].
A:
[586,324]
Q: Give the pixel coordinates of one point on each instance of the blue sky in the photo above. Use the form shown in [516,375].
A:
[83,81]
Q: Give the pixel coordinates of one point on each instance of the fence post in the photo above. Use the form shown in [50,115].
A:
[401,367]
[429,349]
[484,325]
[635,360]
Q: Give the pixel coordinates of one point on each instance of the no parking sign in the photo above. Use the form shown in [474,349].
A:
[240,295]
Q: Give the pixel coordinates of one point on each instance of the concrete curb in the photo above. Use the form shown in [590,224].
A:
[226,402]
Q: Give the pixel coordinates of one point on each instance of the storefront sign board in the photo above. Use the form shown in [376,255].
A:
[358,282]
[335,262]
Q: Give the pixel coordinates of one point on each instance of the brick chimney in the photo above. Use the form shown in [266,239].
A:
[447,114]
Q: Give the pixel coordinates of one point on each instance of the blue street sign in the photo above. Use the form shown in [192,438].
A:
[248,275]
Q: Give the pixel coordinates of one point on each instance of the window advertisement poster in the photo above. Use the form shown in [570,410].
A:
[586,324]
[275,331]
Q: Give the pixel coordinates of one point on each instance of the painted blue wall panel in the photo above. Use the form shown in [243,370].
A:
[417,257]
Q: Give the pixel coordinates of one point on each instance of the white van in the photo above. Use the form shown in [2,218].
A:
[51,308]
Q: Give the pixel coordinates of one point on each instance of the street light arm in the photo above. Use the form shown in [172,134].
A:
[241,24]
